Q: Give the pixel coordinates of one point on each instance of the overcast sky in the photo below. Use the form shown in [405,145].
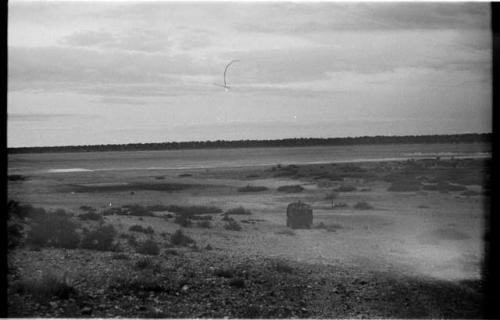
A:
[101,72]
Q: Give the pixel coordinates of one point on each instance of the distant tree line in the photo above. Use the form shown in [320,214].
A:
[292,142]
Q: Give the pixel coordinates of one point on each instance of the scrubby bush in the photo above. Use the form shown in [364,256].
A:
[14,235]
[138,210]
[331,196]
[204,224]
[180,239]
[120,256]
[53,230]
[183,221]
[237,283]
[137,284]
[345,189]
[250,188]
[339,205]
[287,232]
[144,263]
[138,228]
[45,288]
[238,211]
[86,208]
[101,239]
[17,210]
[91,215]
[283,267]
[225,272]
[148,247]
[330,227]
[469,193]
[291,189]
[444,187]
[16,177]
[192,210]
[405,186]
[232,225]
[363,205]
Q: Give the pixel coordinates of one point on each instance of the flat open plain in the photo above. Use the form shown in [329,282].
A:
[397,232]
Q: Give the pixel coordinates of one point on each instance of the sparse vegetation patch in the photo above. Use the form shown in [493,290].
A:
[139,228]
[346,188]
[363,205]
[232,225]
[149,247]
[53,229]
[250,188]
[181,239]
[238,211]
[291,188]
[101,239]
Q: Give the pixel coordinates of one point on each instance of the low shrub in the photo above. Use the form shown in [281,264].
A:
[14,235]
[17,210]
[138,228]
[291,188]
[238,211]
[148,247]
[345,189]
[182,175]
[363,205]
[250,188]
[45,288]
[183,221]
[91,215]
[444,187]
[144,263]
[137,210]
[172,252]
[232,225]
[331,196]
[137,284]
[339,205]
[287,232]
[224,273]
[196,217]
[193,210]
[237,283]
[16,177]
[180,239]
[53,229]
[204,224]
[469,193]
[283,267]
[120,256]
[87,208]
[405,186]
[330,227]
[101,239]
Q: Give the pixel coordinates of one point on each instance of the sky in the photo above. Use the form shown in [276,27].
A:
[95,72]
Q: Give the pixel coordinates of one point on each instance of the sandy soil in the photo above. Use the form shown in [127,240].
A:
[414,244]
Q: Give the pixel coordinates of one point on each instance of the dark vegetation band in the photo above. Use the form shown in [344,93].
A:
[291,142]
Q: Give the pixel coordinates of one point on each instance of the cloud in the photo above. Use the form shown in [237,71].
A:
[328,17]
[122,101]
[131,40]
[40,117]
[82,67]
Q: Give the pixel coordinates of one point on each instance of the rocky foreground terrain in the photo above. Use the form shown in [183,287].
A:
[204,283]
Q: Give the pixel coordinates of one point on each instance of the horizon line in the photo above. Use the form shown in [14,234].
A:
[247,140]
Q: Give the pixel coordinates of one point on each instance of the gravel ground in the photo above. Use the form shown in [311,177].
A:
[210,284]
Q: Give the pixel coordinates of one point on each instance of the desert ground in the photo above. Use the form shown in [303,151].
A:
[400,238]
